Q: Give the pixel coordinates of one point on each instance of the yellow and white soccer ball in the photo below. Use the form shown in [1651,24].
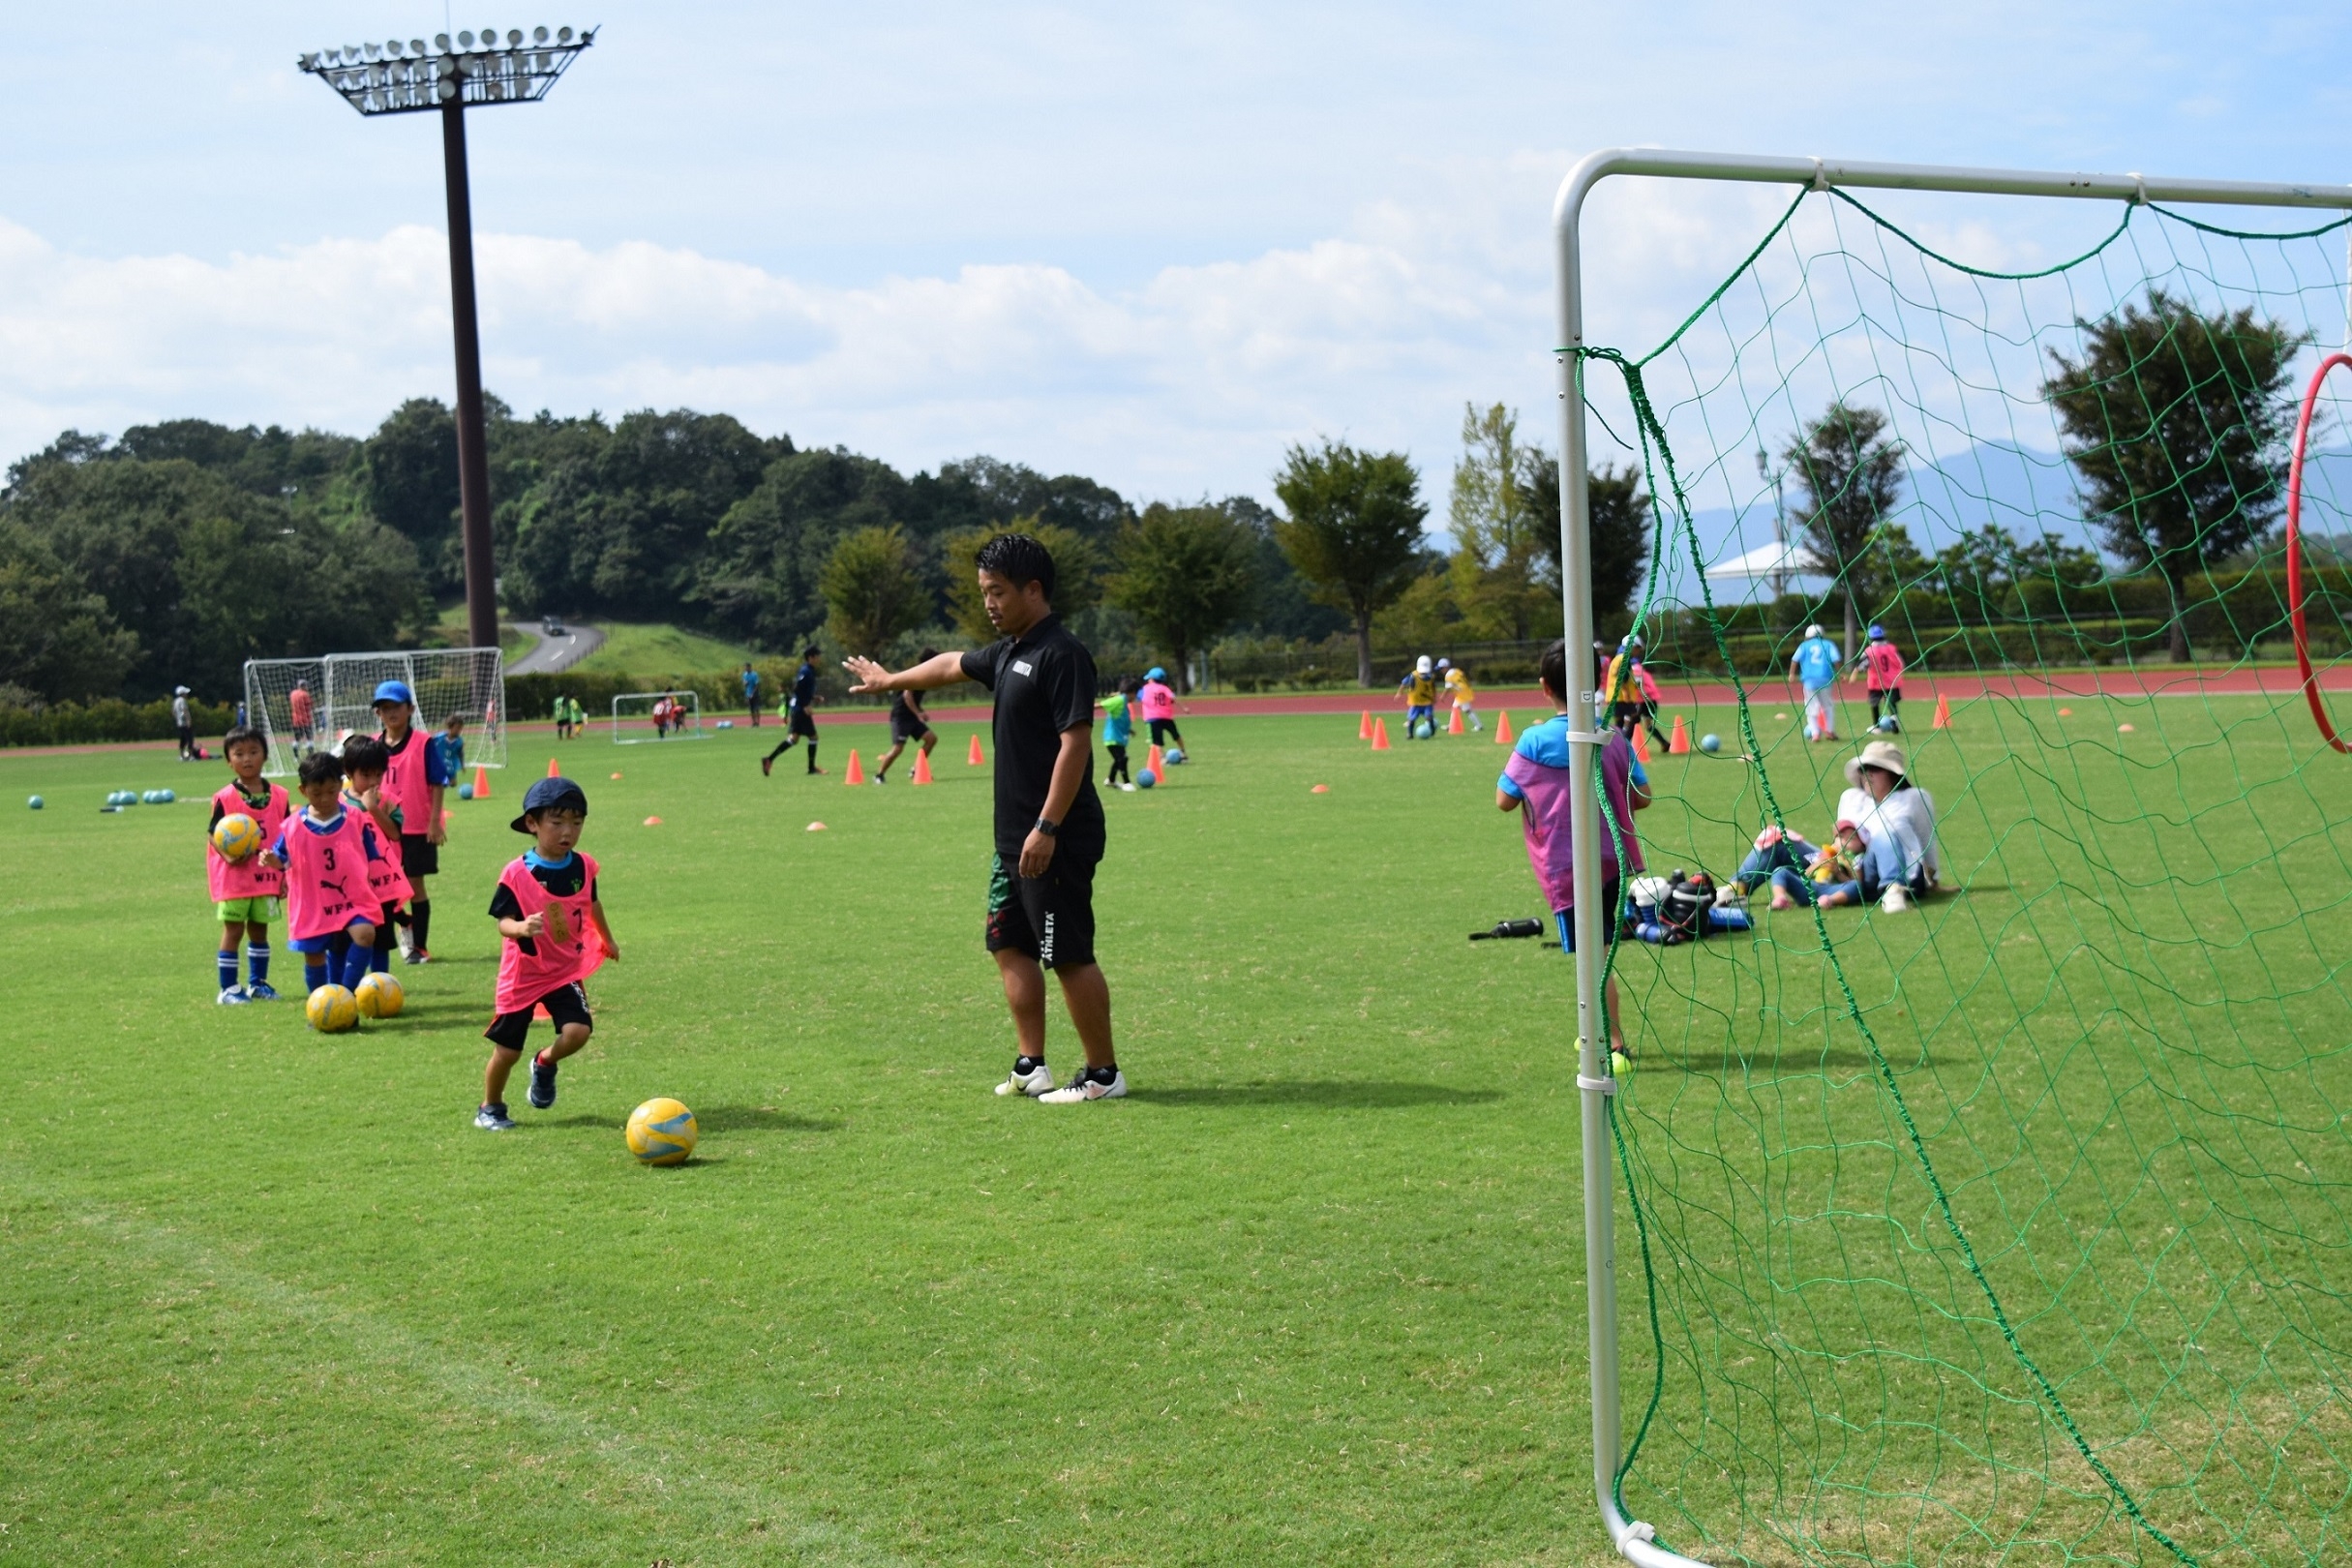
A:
[332,1009]
[380,996]
[237,836]
[662,1133]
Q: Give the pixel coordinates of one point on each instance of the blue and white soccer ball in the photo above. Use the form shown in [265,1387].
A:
[1174,755]
[1146,779]
[1710,742]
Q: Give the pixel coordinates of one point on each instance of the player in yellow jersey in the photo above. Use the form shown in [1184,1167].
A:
[1458,687]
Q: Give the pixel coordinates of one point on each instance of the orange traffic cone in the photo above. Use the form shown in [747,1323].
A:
[855,774]
[1454,725]
[1679,743]
[1640,745]
[922,766]
[1943,712]
[1157,763]
[1364,726]
[976,758]
[481,783]
[1379,735]
[553,771]
[1502,728]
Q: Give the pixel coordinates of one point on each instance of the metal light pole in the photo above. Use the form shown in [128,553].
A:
[1780,523]
[393,77]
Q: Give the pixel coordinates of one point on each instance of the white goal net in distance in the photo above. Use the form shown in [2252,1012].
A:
[302,704]
[642,715]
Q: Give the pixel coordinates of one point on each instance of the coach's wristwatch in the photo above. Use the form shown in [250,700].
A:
[1048,827]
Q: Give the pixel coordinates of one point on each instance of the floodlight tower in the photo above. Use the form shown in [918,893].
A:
[479,69]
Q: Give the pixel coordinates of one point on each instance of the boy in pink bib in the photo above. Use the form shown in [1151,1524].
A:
[329,857]
[548,910]
[245,892]
[364,761]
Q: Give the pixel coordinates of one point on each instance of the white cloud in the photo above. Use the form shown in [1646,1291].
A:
[1192,381]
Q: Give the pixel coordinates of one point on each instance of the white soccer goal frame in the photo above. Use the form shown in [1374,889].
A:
[343,688]
[1636,1540]
[646,717]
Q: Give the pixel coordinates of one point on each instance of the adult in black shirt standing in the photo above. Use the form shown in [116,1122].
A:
[800,723]
[1050,832]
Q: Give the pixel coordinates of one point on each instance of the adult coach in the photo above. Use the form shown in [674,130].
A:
[1050,832]
[751,693]
[414,782]
[800,724]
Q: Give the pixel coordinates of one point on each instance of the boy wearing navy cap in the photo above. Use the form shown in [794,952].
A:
[545,907]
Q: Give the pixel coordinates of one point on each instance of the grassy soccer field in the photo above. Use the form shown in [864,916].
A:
[1311,1294]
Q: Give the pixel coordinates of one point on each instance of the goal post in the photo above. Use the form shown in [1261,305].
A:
[640,716]
[307,705]
[2006,1349]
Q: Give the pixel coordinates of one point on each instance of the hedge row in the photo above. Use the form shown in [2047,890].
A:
[72,724]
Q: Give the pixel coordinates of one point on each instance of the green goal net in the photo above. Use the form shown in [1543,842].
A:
[2014,1226]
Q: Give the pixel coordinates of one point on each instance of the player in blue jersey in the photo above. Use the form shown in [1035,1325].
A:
[1815,665]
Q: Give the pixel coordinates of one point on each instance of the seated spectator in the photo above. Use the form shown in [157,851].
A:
[1833,877]
[1775,851]
[1897,822]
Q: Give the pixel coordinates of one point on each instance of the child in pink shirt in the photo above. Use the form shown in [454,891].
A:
[1882,667]
[245,892]
[548,910]
[331,856]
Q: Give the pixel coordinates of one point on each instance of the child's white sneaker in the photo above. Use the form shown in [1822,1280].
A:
[234,997]
[1896,900]
[1087,1086]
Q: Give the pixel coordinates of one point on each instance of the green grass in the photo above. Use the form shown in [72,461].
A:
[1313,1294]
[662,651]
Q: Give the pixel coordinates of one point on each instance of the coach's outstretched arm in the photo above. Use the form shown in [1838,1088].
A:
[931,673]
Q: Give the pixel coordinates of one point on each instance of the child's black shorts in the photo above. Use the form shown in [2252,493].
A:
[565,1005]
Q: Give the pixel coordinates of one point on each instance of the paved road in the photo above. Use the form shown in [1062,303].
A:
[549,654]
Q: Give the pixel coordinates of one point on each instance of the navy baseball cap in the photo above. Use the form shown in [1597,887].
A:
[393,691]
[549,794]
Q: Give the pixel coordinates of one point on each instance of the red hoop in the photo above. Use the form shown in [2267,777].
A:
[2294,553]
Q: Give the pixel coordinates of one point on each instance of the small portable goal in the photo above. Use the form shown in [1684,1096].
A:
[638,717]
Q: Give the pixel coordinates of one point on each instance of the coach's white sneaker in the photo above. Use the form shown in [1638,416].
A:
[1035,1083]
[1085,1087]
[1897,899]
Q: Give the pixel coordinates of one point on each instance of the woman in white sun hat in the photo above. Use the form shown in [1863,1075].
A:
[1898,820]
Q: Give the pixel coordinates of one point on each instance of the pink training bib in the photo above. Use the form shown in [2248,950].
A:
[1886,665]
[404,788]
[525,977]
[1158,701]
[387,882]
[247,878]
[326,877]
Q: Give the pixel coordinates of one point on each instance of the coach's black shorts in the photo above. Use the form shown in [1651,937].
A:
[801,724]
[905,728]
[419,857]
[1049,918]
[565,1004]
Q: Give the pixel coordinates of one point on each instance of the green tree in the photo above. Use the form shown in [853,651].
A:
[1354,531]
[1621,526]
[761,571]
[2178,424]
[1496,567]
[1185,575]
[873,590]
[1851,473]
[1077,571]
[57,639]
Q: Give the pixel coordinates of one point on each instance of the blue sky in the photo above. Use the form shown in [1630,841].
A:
[1154,246]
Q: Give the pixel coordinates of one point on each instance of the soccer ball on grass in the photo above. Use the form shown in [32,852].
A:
[662,1133]
[332,1009]
[1146,779]
[379,996]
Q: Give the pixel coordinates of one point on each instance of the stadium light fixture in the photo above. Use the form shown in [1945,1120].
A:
[475,70]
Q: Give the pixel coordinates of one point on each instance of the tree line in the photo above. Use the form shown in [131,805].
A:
[174,552]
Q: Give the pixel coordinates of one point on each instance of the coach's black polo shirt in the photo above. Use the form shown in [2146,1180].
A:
[1044,684]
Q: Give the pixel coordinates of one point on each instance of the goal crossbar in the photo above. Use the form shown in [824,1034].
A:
[1635,1539]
